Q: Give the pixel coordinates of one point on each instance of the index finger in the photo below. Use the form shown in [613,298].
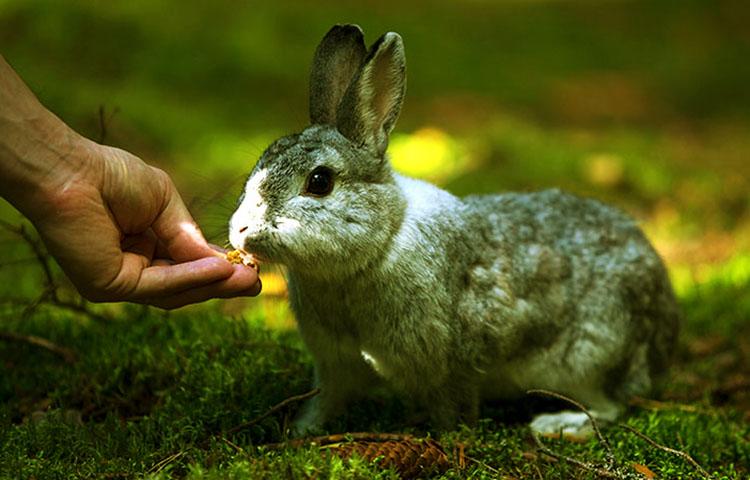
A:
[176,229]
[227,288]
[164,280]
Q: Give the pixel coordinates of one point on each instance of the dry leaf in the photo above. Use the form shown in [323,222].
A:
[643,470]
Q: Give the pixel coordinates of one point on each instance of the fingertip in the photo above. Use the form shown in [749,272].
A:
[255,290]
[245,276]
[242,282]
[221,263]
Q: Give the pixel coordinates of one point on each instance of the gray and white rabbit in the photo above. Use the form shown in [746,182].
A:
[448,300]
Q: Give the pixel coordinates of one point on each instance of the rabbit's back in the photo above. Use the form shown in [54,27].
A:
[567,288]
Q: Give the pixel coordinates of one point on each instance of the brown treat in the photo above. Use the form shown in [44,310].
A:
[241,257]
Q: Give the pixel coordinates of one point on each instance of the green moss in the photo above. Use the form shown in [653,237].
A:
[150,387]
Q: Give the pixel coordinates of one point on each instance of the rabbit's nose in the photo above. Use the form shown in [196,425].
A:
[238,238]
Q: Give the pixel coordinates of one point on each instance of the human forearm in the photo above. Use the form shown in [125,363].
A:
[38,151]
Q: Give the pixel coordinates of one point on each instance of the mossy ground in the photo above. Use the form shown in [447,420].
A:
[642,104]
[153,394]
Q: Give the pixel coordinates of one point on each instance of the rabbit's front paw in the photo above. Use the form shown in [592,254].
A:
[310,420]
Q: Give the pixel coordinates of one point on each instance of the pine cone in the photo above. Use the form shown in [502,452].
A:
[412,458]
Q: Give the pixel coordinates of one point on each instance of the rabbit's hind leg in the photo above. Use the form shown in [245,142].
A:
[576,424]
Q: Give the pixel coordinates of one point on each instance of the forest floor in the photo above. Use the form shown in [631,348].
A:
[641,104]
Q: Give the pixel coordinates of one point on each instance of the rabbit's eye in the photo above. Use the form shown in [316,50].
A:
[320,182]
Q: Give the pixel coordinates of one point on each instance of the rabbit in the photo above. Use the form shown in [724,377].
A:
[447,301]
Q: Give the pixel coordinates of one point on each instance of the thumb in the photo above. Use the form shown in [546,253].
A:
[178,232]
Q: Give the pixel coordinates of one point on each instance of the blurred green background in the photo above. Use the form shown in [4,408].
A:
[643,104]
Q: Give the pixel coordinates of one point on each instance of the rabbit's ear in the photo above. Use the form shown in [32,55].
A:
[336,60]
[372,102]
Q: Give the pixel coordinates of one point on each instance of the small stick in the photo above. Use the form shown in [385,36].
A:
[273,410]
[31,306]
[62,352]
[160,466]
[43,299]
[650,404]
[667,449]
[538,472]
[79,308]
[43,259]
[236,447]
[104,122]
[586,466]
[459,459]
[481,463]
[341,437]
[39,253]
[602,439]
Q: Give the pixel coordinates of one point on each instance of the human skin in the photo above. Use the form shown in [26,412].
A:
[116,226]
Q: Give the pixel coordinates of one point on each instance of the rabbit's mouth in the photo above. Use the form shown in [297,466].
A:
[260,255]
[260,260]
[256,246]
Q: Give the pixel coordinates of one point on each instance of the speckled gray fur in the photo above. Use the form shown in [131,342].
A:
[447,300]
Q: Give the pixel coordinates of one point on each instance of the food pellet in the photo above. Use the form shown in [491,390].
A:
[240,257]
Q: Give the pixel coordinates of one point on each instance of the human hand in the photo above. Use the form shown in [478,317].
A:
[121,232]
[117,227]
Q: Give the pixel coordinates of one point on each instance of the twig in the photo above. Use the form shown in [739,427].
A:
[62,352]
[609,469]
[651,404]
[104,122]
[67,305]
[679,439]
[39,252]
[49,295]
[31,306]
[459,456]
[163,463]
[80,308]
[682,454]
[236,447]
[339,438]
[602,439]
[586,466]
[482,464]
[273,410]
[42,259]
